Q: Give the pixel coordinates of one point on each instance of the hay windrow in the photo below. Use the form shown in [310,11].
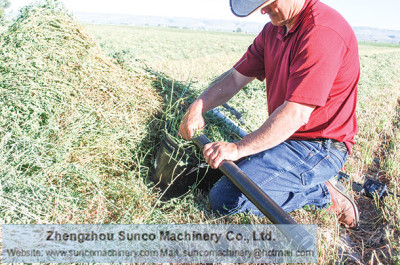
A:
[71,120]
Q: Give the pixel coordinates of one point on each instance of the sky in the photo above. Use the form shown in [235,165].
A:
[377,14]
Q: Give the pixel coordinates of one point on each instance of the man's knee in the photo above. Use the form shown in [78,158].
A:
[216,203]
[223,196]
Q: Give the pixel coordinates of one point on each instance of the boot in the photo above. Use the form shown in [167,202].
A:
[343,205]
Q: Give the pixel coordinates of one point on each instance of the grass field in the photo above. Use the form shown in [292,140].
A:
[196,57]
[175,63]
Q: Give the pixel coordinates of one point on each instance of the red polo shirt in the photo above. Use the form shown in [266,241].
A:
[315,63]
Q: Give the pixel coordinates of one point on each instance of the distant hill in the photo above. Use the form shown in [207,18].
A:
[377,35]
[362,33]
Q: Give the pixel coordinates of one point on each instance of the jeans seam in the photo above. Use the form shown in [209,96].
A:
[288,169]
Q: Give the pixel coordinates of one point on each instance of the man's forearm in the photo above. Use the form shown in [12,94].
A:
[221,90]
[282,123]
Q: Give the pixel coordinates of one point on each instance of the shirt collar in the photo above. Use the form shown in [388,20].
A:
[299,19]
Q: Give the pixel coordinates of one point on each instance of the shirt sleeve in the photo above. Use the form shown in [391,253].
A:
[316,63]
[252,62]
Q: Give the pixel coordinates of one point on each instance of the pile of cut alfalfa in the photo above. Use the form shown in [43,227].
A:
[74,126]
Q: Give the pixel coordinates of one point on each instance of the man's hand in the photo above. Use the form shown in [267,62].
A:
[216,152]
[192,121]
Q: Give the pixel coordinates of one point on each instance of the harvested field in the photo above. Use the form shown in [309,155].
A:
[376,153]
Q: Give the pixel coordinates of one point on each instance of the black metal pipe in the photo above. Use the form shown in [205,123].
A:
[300,237]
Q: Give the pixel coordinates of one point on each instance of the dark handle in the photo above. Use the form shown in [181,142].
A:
[301,237]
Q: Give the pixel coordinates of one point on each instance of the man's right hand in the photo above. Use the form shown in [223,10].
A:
[192,121]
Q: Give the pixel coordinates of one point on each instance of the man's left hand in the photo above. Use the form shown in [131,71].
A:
[216,152]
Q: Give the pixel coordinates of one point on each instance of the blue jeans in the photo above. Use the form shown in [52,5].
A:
[292,174]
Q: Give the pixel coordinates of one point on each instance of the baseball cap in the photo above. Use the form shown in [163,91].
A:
[243,8]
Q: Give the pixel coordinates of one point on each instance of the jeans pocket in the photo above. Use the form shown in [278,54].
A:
[311,147]
[337,159]
[305,149]
[320,173]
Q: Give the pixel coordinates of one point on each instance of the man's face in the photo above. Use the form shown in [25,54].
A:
[281,12]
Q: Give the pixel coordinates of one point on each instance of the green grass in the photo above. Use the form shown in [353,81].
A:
[181,54]
[211,54]
[77,139]
[74,126]
[376,153]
